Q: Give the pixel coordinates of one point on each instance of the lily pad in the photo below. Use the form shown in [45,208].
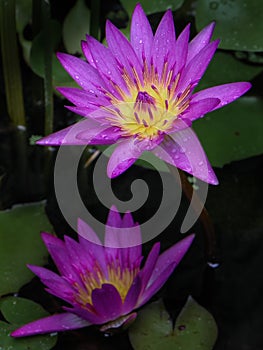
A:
[233,132]
[238,23]
[19,311]
[21,244]
[195,328]
[152,6]
[76,26]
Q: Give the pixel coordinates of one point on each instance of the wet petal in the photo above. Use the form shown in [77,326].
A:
[132,295]
[163,42]
[125,154]
[165,265]
[141,34]
[56,284]
[50,324]
[225,93]
[149,265]
[195,69]
[87,53]
[200,41]
[107,302]
[83,73]
[106,64]
[183,150]
[200,108]
[181,49]
[122,50]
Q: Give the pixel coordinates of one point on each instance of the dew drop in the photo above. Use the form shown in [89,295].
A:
[213,265]
[213,5]
[77,77]
[201,163]
[140,41]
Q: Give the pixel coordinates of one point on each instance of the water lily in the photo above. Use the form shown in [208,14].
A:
[104,284]
[140,95]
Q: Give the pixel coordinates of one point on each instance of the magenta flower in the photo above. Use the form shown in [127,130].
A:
[103,284]
[140,95]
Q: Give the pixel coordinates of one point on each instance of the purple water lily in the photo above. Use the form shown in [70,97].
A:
[104,284]
[140,95]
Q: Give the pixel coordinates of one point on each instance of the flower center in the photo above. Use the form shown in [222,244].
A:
[153,104]
[120,278]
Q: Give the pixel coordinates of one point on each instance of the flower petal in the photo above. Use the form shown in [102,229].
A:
[200,41]
[107,302]
[106,65]
[200,108]
[197,66]
[181,49]
[87,53]
[163,42]
[141,34]
[164,267]
[83,98]
[83,73]
[132,295]
[225,93]
[172,255]
[50,324]
[56,284]
[183,150]
[122,50]
[147,270]
[126,153]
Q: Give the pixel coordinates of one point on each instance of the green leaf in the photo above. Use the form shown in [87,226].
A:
[225,68]
[21,244]
[19,311]
[233,132]
[238,23]
[195,328]
[76,26]
[152,6]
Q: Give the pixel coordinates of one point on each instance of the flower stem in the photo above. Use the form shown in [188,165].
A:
[204,216]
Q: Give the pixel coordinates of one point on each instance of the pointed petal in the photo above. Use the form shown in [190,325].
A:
[107,302]
[56,284]
[149,292]
[225,93]
[122,50]
[164,267]
[172,255]
[92,245]
[132,295]
[50,324]
[200,41]
[148,268]
[100,135]
[69,135]
[83,98]
[87,53]
[57,249]
[141,34]
[163,42]
[183,150]
[83,73]
[195,69]
[125,154]
[200,108]
[181,49]
[106,64]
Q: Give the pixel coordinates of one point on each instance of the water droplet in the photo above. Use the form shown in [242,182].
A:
[213,5]
[77,77]
[201,163]
[140,41]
